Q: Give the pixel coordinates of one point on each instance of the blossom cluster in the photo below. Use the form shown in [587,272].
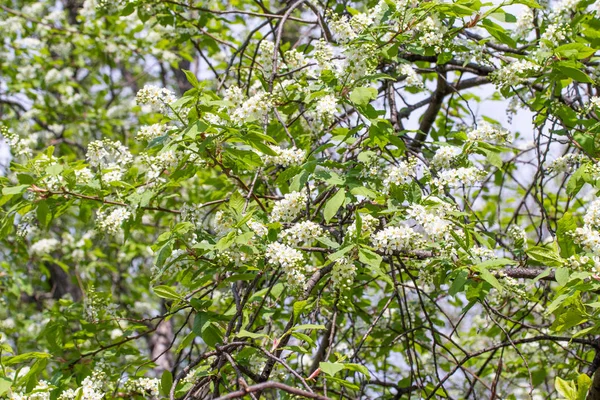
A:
[342,275]
[433,222]
[395,238]
[400,174]
[486,132]
[110,221]
[412,79]
[285,157]
[368,225]
[288,208]
[158,99]
[291,261]
[445,156]
[301,233]
[454,178]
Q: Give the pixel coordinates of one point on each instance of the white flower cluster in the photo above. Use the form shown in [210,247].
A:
[148,386]
[301,233]
[44,246]
[159,99]
[323,54]
[395,238]
[41,391]
[253,109]
[412,79]
[368,225]
[235,95]
[149,132]
[432,32]
[326,107]
[518,236]
[343,274]
[580,263]
[222,223]
[553,35]
[483,253]
[445,156]
[110,221]
[285,157]
[111,156]
[292,262]
[464,176]
[157,164]
[193,213]
[342,29]
[524,23]
[400,174]
[83,175]
[18,146]
[594,102]
[588,236]
[487,132]
[563,9]
[433,223]
[295,59]
[514,73]
[257,227]
[289,207]
[91,388]
[566,163]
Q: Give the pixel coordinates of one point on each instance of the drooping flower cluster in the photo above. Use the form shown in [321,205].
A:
[483,253]
[445,156]
[431,32]
[518,237]
[514,73]
[368,225]
[433,222]
[253,109]
[588,236]
[257,227]
[285,157]
[91,388]
[412,79]
[566,163]
[395,238]
[110,156]
[400,174]
[149,386]
[149,132]
[454,178]
[110,221]
[486,132]
[326,107]
[289,207]
[291,261]
[159,99]
[301,233]
[44,246]
[524,23]
[342,275]
[41,391]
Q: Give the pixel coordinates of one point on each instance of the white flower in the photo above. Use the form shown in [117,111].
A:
[324,54]
[433,223]
[44,246]
[255,108]
[289,207]
[444,157]
[149,132]
[395,238]
[83,175]
[342,29]
[301,233]
[459,177]
[107,154]
[483,253]
[592,215]
[157,98]
[432,32]
[566,163]
[110,222]
[518,236]
[326,107]
[595,101]
[343,274]
[486,132]
[291,261]
[257,227]
[399,175]
[514,73]
[235,95]
[285,157]
[412,78]
[91,388]
[524,23]
[369,224]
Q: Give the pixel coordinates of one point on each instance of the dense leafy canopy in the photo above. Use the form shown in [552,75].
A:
[319,199]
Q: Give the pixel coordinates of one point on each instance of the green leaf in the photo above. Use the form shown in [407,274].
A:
[333,204]
[201,321]
[5,385]
[562,276]
[573,73]
[331,368]
[21,358]
[361,96]
[565,388]
[244,333]
[488,277]
[14,189]
[574,50]
[583,385]
[166,292]
[166,381]
[308,326]
[212,335]
[458,283]
[191,78]
[545,256]
[358,368]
